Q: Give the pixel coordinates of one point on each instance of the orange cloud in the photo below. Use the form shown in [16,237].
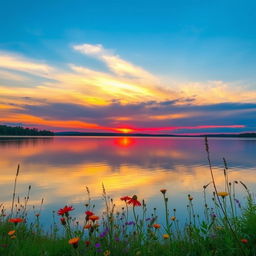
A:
[126,83]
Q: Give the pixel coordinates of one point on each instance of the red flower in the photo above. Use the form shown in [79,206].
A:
[16,220]
[244,241]
[63,221]
[88,213]
[65,210]
[125,198]
[134,201]
[87,243]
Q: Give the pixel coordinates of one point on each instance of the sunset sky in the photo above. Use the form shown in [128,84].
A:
[179,67]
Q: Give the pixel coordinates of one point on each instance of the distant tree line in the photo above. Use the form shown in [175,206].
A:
[18,130]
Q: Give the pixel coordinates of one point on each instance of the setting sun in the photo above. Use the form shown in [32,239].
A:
[124,130]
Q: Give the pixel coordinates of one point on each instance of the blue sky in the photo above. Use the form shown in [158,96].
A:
[209,46]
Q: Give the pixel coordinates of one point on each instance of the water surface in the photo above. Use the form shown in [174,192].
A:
[60,168]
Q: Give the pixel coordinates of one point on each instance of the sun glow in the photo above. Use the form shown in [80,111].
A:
[124,130]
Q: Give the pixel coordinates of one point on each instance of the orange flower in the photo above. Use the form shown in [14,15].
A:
[173,218]
[10,233]
[87,226]
[223,194]
[16,220]
[156,226]
[37,214]
[134,201]
[94,218]
[244,241]
[74,241]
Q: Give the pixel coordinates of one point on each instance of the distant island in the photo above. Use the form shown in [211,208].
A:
[20,131]
[243,135]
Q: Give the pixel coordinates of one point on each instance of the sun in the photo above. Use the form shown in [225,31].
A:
[124,130]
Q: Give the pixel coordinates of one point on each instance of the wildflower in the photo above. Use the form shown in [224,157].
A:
[16,220]
[190,198]
[134,201]
[223,194]
[173,218]
[107,253]
[166,236]
[94,218]
[13,237]
[97,245]
[74,241]
[163,191]
[63,221]
[244,241]
[37,214]
[213,215]
[87,243]
[10,233]
[65,210]
[156,226]
[87,226]
[89,213]
[129,223]
[125,198]
[104,233]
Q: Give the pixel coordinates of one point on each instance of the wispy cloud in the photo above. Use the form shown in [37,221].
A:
[114,62]
[18,63]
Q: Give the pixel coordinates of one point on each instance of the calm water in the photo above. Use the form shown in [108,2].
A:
[59,169]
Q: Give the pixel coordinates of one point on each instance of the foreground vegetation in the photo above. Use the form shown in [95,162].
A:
[227,227]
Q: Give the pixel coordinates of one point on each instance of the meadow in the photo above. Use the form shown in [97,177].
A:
[227,227]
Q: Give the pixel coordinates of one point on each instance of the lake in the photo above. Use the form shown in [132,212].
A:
[60,168]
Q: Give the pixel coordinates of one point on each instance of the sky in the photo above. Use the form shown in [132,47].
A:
[171,67]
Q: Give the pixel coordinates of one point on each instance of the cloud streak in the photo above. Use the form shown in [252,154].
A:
[114,62]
